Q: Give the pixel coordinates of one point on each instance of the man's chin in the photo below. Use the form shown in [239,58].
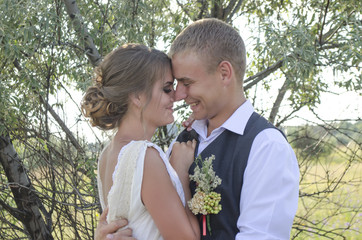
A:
[199,116]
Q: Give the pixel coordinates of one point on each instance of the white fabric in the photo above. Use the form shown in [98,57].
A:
[124,197]
[269,196]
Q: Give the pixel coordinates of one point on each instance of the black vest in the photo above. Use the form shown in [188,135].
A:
[231,152]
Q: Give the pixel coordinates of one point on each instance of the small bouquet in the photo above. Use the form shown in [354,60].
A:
[205,201]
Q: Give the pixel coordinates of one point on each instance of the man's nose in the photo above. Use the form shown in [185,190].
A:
[180,92]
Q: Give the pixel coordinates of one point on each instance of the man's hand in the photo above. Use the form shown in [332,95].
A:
[112,230]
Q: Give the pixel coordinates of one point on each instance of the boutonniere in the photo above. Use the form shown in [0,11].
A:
[205,200]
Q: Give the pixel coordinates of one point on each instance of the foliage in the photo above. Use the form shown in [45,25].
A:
[316,141]
[43,57]
[298,41]
[307,139]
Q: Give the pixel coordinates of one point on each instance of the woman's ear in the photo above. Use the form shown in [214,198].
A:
[136,99]
[226,72]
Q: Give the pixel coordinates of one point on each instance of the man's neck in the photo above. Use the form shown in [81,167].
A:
[214,123]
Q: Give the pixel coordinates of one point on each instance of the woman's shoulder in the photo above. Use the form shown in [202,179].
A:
[152,154]
[155,148]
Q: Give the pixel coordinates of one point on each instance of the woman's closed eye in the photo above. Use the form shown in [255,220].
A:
[167,90]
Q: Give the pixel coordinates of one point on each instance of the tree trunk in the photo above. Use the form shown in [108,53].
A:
[278,101]
[28,203]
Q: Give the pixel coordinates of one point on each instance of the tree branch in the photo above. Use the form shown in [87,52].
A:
[55,115]
[234,10]
[263,74]
[324,38]
[287,117]
[69,134]
[203,9]
[229,7]
[184,9]
[82,32]
[323,23]
[13,211]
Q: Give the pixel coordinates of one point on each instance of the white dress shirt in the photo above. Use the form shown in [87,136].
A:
[269,196]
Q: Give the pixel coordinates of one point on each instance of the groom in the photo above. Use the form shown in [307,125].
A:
[258,168]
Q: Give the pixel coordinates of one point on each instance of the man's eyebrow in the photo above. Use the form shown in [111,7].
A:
[183,79]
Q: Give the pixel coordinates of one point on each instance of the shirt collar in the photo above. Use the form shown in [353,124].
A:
[238,120]
[235,123]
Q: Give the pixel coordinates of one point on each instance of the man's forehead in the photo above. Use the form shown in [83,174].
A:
[180,57]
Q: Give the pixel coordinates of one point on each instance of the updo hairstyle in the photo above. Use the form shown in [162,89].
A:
[131,68]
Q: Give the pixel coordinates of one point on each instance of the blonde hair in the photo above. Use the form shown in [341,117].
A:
[215,41]
[131,68]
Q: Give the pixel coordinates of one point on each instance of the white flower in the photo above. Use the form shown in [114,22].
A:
[196,204]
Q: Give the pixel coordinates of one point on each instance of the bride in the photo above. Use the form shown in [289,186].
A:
[133,93]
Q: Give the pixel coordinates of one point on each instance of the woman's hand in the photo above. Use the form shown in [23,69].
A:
[182,156]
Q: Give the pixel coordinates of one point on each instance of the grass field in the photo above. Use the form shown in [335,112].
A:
[330,207]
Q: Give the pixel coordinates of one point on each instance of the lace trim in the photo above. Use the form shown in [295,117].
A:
[122,177]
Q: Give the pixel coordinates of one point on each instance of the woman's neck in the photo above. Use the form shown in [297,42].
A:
[133,129]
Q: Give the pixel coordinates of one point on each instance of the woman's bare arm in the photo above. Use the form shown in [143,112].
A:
[173,220]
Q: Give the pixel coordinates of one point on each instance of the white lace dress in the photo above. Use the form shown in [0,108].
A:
[124,197]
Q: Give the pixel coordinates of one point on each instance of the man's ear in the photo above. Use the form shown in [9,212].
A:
[226,72]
